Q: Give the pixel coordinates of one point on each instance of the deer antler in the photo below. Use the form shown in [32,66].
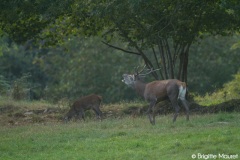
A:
[138,72]
[149,71]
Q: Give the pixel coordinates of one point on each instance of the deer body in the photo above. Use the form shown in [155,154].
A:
[157,91]
[88,102]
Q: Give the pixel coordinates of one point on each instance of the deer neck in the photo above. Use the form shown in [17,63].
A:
[140,87]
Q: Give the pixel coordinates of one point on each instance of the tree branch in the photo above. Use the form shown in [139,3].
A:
[155,56]
[118,48]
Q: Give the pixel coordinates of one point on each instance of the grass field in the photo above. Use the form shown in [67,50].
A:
[124,138]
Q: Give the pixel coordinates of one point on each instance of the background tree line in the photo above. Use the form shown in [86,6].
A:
[55,47]
[84,65]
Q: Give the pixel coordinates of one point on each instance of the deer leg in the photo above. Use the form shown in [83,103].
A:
[150,112]
[186,106]
[153,115]
[177,108]
[97,112]
[81,114]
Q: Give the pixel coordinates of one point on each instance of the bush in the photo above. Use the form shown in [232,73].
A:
[230,91]
[232,88]
[20,89]
[4,85]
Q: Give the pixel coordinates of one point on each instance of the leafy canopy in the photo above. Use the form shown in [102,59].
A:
[141,20]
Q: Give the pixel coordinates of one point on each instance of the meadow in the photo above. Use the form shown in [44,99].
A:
[124,137]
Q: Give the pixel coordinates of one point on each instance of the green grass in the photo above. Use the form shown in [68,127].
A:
[23,104]
[124,138]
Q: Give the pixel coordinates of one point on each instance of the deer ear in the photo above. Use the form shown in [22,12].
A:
[136,77]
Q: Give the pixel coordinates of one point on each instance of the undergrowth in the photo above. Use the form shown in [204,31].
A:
[230,91]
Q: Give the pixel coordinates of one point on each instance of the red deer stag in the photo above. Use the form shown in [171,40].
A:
[157,91]
[88,102]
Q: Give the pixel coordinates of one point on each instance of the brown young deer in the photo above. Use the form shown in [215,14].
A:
[157,91]
[88,102]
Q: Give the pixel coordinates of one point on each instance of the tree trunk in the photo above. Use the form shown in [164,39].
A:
[167,60]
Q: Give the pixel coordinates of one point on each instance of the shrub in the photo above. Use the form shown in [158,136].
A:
[230,90]
[4,85]
[20,88]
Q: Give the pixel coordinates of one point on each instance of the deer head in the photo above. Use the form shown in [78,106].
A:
[130,79]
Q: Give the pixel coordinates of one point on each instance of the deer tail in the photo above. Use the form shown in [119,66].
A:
[182,91]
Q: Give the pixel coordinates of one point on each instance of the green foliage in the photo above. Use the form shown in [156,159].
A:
[212,63]
[4,85]
[166,27]
[230,90]
[83,66]
[18,61]
[236,45]
[24,20]
[126,138]
[20,89]
[143,25]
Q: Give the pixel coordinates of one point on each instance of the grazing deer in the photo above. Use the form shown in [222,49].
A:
[88,102]
[157,91]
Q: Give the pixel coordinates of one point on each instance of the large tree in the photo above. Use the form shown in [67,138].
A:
[161,32]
